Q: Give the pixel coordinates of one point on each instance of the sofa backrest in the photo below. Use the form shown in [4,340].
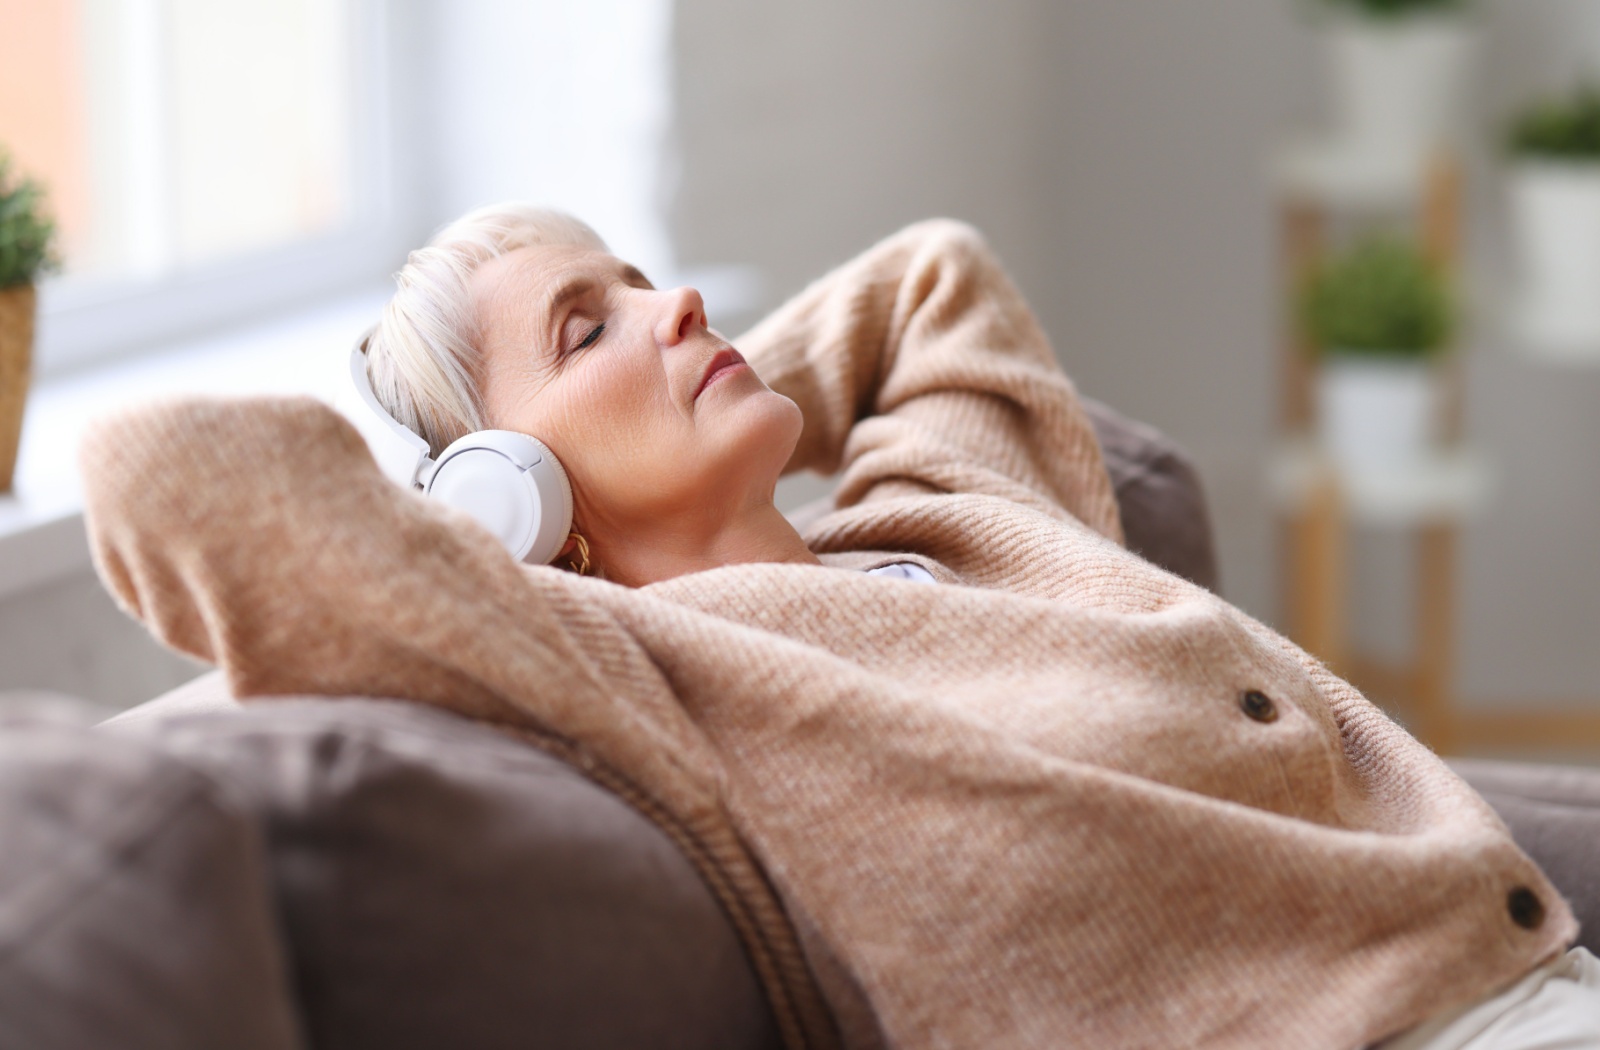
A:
[439,883]
[135,905]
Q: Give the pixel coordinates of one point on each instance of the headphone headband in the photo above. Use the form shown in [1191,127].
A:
[401,453]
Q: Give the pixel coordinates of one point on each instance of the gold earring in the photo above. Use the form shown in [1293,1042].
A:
[579,559]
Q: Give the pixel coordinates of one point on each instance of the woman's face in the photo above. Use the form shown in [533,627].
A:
[655,416]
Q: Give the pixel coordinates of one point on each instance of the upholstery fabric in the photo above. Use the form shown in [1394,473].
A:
[443,884]
[134,907]
[1159,495]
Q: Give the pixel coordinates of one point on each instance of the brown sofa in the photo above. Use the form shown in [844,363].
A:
[357,873]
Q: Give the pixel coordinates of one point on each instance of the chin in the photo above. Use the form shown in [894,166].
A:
[762,434]
[787,422]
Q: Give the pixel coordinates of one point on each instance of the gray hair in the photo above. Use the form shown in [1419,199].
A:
[421,357]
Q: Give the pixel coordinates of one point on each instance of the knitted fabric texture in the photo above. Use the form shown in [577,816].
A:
[1062,798]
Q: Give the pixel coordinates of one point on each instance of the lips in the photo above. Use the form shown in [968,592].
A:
[724,361]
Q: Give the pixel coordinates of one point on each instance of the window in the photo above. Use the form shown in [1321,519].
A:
[206,159]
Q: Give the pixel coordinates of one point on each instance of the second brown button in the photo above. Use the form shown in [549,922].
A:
[1259,706]
[1525,907]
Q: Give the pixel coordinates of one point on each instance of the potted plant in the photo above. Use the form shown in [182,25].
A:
[1555,216]
[1399,71]
[25,236]
[1380,314]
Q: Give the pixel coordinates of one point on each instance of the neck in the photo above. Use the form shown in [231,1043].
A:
[639,556]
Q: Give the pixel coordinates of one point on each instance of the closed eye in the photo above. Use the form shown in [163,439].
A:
[592,338]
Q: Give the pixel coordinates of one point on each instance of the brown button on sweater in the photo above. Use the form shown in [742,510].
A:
[1019,809]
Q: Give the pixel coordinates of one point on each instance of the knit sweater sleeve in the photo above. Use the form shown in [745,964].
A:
[919,368]
[259,535]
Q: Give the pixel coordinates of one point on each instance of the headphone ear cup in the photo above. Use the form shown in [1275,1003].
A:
[548,478]
[513,485]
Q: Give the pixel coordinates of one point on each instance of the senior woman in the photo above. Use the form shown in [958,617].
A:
[1033,792]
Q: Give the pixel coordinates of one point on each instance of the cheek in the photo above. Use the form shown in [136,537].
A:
[619,428]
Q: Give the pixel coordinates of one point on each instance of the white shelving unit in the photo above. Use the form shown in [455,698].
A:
[1452,485]
[1318,505]
[1332,175]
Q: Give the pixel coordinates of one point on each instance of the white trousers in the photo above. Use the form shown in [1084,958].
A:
[1556,1007]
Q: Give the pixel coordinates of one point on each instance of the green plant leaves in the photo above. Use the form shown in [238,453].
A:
[1382,298]
[1399,8]
[1559,128]
[26,229]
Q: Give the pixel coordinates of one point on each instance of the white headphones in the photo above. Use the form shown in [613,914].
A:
[509,482]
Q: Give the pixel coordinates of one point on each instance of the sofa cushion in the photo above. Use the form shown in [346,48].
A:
[1163,507]
[134,910]
[442,884]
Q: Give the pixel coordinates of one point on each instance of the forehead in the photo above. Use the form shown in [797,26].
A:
[537,278]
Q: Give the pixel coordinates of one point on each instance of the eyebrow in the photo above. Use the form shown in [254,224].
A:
[564,293]
[578,287]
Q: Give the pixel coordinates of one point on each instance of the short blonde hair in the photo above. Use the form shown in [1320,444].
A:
[421,357]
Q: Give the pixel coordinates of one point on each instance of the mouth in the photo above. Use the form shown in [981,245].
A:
[726,362]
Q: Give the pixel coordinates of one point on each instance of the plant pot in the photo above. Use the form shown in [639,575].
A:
[1376,414]
[1555,220]
[16,360]
[1399,86]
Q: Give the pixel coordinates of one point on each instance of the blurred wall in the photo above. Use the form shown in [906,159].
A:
[1115,154]
[807,131]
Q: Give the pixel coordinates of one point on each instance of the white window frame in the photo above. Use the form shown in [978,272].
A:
[83,320]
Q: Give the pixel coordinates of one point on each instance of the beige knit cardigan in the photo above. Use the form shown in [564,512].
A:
[1061,798]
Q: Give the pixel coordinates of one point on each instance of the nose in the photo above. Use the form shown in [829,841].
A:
[682,310]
